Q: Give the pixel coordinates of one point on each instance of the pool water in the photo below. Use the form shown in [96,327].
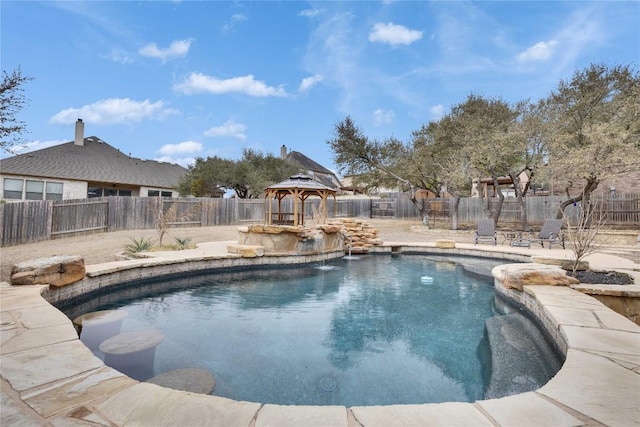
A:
[366,331]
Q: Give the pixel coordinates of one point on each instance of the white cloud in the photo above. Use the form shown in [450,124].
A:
[308,82]
[236,18]
[186,147]
[182,161]
[584,32]
[229,128]
[182,153]
[310,13]
[540,51]
[118,55]
[383,117]
[114,110]
[177,49]
[28,147]
[437,111]
[248,85]
[393,34]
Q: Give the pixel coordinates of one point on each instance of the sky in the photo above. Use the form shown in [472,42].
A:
[176,80]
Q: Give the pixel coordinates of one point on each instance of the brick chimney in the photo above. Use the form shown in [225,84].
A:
[79,133]
[283,152]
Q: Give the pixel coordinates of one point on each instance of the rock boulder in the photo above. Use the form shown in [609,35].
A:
[516,276]
[58,271]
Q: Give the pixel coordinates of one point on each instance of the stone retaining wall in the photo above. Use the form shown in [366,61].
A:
[104,276]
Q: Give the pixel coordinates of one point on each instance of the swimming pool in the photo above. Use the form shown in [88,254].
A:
[354,332]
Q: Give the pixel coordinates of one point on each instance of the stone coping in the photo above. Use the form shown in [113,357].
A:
[50,378]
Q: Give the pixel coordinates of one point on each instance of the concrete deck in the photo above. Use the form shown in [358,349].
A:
[48,377]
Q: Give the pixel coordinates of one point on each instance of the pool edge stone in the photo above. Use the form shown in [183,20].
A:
[140,403]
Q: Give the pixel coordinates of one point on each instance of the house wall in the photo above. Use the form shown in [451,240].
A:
[628,183]
[70,189]
[78,189]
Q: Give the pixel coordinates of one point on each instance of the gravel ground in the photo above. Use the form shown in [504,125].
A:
[103,247]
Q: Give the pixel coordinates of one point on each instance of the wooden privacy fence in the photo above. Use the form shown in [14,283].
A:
[32,221]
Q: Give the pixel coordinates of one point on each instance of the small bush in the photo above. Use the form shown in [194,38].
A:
[138,245]
[182,243]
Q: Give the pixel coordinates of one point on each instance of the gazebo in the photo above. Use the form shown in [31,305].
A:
[300,187]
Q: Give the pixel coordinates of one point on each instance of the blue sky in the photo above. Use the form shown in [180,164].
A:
[174,80]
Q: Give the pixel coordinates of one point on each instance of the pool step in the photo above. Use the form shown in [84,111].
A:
[521,358]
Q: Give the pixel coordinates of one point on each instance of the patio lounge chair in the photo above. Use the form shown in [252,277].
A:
[551,232]
[486,232]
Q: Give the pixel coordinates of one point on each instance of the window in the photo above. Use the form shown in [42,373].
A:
[107,191]
[12,188]
[54,191]
[152,193]
[34,190]
[167,194]
[94,192]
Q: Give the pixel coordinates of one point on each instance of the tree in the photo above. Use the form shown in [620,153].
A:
[584,234]
[248,177]
[439,145]
[166,218]
[493,139]
[12,100]
[389,162]
[596,128]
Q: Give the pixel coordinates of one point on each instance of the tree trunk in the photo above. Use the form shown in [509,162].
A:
[422,206]
[484,201]
[454,213]
[589,188]
[496,215]
[515,179]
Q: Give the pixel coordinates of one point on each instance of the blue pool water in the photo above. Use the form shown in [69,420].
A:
[367,331]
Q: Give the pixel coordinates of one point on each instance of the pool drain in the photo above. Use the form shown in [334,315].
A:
[328,384]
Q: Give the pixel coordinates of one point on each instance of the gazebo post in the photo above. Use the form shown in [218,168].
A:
[296,195]
[267,199]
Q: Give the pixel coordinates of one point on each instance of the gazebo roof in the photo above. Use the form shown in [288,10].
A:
[301,182]
[300,187]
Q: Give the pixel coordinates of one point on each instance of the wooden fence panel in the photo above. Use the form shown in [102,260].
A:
[350,208]
[619,208]
[131,213]
[25,222]
[250,210]
[71,217]
[183,212]
[383,208]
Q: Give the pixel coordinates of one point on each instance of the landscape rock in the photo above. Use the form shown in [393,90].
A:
[247,251]
[58,271]
[516,276]
[445,244]
[359,235]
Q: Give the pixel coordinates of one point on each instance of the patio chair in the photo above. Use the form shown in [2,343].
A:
[551,232]
[486,232]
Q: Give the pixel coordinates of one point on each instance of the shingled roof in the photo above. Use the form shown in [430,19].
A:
[307,163]
[310,165]
[95,161]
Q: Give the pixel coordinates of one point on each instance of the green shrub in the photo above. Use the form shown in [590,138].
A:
[138,245]
[182,242]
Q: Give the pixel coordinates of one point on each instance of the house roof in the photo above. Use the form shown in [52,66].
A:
[306,163]
[310,165]
[95,161]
